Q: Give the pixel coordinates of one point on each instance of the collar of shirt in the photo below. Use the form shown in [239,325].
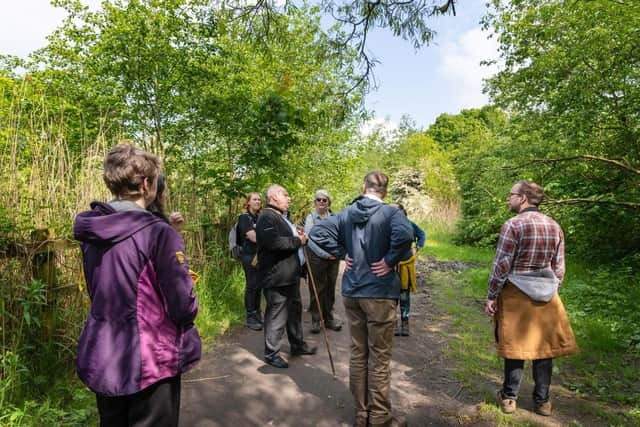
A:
[374,197]
[316,215]
[530,209]
[270,206]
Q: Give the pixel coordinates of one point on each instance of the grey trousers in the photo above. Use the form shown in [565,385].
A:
[284,310]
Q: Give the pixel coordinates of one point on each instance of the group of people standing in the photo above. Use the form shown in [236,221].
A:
[375,240]
[140,337]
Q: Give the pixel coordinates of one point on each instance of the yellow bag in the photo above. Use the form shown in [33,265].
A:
[407,271]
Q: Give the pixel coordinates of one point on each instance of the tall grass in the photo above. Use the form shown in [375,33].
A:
[47,177]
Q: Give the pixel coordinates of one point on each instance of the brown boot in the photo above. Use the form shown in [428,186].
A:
[507,406]
[543,409]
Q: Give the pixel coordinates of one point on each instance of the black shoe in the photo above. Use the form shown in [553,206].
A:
[333,324]
[253,324]
[305,350]
[398,331]
[277,362]
[315,326]
[404,329]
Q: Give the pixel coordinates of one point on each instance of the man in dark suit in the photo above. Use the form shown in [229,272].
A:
[280,261]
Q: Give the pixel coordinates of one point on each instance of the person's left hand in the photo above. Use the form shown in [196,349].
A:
[491,307]
[414,251]
[303,237]
[380,268]
[177,221]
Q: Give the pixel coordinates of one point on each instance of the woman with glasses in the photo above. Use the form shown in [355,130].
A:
[324,268]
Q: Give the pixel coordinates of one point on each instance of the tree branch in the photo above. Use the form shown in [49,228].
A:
[630,205]
[586,157]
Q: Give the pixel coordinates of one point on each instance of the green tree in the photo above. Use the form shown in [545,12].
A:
[570,87]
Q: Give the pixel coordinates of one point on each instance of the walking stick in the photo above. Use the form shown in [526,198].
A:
[315,292]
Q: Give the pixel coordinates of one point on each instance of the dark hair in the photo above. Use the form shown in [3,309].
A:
[126,167]
[533,191]
[245,206]
[156,207]
[376,181]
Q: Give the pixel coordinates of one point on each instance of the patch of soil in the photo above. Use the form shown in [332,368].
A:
[429,264]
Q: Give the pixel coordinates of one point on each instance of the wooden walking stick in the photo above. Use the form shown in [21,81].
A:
[315,292]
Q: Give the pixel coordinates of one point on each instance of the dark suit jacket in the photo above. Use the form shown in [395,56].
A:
[278,263]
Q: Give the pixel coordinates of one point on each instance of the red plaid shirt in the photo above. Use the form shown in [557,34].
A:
[528,242]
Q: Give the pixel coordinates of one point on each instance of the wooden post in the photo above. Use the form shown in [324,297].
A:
[44,254]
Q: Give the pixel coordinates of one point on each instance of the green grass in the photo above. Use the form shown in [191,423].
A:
[606,370]
[220,292]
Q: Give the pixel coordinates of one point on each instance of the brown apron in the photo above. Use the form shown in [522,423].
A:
[530,330]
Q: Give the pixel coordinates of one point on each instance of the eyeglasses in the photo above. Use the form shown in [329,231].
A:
[319,200]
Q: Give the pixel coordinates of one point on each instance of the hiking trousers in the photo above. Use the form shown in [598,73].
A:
[252,292]
[371,323]
[325,274]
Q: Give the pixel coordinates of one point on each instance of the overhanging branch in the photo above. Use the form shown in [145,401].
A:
[584,157]
[576,201]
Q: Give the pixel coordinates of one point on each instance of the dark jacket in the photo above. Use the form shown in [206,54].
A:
[246,222]
[367,231]
[140,327]
[278,262]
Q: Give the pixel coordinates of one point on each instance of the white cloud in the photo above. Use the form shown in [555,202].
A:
[25,24]
[386,127]
[459,63]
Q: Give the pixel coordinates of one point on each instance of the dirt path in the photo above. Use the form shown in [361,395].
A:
[232,386]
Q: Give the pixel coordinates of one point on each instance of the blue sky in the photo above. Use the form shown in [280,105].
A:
[443,77]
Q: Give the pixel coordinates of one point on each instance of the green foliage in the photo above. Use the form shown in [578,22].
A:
[220,292]
[473,140]
[573,110]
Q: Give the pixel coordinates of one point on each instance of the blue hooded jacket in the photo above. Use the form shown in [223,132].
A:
[367,231]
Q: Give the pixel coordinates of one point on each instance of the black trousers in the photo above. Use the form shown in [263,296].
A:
[284,310]
[325,273]
[252,292]
[156,406]
[513,369]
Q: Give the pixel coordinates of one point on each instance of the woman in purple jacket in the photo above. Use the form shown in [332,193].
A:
[139,336]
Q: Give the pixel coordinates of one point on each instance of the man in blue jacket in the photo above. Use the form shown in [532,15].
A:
[371,237]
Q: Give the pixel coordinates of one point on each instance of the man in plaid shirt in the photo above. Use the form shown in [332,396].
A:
[530,319]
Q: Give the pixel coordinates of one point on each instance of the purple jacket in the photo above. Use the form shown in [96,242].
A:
[140,328]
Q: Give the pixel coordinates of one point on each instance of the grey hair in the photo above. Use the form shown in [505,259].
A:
[323,193]
[272,190]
